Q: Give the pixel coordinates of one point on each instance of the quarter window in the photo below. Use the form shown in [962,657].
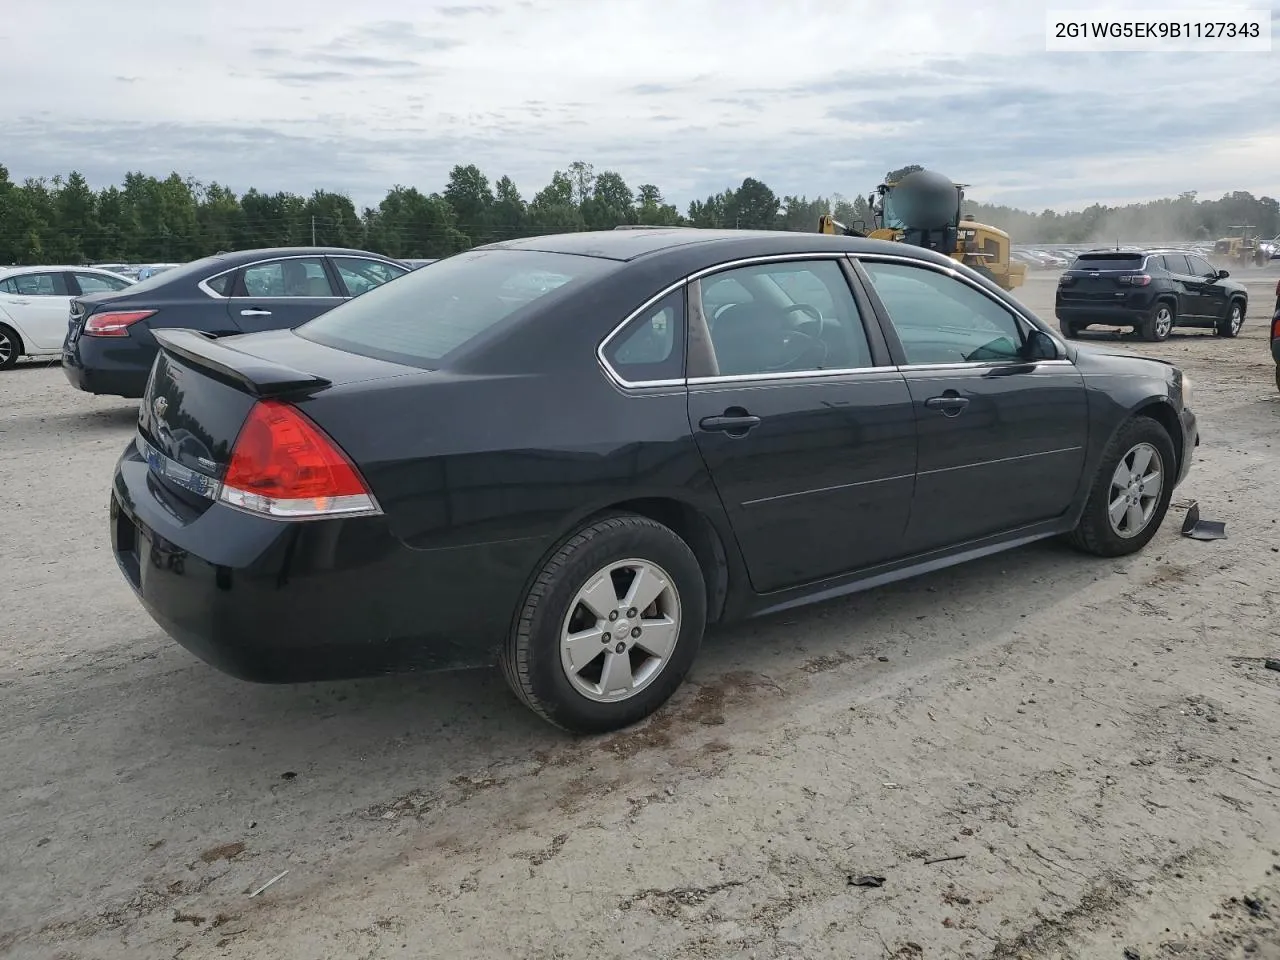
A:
[792,317]
[652,346]
[36,285]
[221,285]
[940,319]
[296,277]
[362,275]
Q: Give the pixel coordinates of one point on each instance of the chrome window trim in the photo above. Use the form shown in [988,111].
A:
[204,287]
[626,384]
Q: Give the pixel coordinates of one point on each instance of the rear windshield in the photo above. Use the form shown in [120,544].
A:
[1109,261]
[420,318]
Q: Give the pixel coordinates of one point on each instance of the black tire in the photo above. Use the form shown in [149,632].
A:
[1159,322]
[10,347]
[1278,376]
[1231,324]
[1069,329]
[531,657]
[1094,532]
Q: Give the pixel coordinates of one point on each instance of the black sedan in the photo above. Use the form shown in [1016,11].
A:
[569,454]
[110,342]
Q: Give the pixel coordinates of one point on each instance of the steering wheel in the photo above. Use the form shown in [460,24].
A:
[813,313]
[801,350]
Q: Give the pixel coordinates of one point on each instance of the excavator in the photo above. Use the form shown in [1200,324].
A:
[924,209]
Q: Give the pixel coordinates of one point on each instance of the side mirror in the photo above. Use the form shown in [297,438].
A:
[860,226]
[1041,346]
[1221,275]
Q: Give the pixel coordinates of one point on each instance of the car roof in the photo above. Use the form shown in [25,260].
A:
[45,268]
[699,244]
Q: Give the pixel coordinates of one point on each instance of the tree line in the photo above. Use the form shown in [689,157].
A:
[62,219]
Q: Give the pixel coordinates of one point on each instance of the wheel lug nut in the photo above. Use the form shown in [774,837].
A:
[605,637]
[620,648]
[613,615]
[631,612]
[635,631]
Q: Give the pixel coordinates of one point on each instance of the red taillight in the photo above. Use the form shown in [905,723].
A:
[283,465]
[1136,279]
[1275,327]
[114,323]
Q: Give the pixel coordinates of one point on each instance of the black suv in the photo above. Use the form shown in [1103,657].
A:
[1150,290]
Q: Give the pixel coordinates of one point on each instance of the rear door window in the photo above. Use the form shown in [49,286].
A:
[1176,263]
[97,283]
[429,314]
[295,277]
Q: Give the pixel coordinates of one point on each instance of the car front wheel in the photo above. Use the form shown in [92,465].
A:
[1131,491]
[1230,325]
[609,627]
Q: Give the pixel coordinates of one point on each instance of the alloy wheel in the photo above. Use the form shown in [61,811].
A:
[1237,319]
[6,349]
[1164,322]
[620,631]
[1135,491]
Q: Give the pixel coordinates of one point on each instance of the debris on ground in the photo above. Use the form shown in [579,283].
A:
[866,880]
[278,876]
[1198,529]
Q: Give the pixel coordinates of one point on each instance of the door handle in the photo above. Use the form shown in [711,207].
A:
[949,404]
[734,424]
[254,312]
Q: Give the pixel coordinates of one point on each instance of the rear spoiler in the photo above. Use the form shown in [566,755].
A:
[262,378]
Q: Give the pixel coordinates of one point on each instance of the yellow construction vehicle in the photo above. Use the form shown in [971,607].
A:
[924,209]
[1241,249]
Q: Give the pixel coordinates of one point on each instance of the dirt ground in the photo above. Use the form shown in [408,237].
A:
[1043,755]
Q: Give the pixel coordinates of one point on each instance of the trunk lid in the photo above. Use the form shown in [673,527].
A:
[201,390]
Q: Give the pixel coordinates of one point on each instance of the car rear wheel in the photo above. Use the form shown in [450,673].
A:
[1159,324]
[1131,491]
[1231,324]
[10,347]
[1069,329]
[610,626]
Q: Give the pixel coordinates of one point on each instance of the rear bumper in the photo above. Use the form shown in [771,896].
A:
[279,602]
[1085,312]
[112,366]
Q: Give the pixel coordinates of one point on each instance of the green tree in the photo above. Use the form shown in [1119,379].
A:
[472,201]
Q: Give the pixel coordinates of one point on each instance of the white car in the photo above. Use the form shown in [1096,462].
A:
[35,303]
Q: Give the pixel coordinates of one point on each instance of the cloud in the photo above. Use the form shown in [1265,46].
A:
[468,10]
[810,98]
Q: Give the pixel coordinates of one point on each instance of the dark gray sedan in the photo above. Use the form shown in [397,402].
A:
[109,347]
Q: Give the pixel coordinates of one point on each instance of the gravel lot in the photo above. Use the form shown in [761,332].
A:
[1090,744]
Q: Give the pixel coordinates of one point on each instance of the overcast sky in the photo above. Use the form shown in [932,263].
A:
[810,96]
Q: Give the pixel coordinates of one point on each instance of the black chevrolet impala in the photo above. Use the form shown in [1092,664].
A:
[569,454]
